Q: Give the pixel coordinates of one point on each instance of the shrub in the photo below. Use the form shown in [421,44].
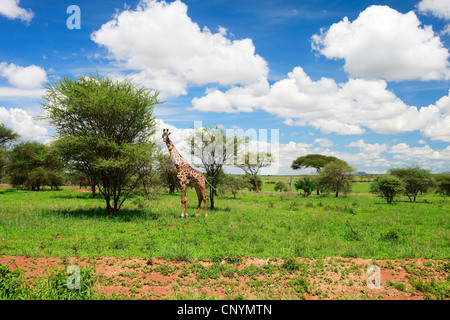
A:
[443,184]
[415,180]
[33,165]
[391,235]
[387,187]
[306,184]
[251,182]
[280,186]
[337,177]
[233,183]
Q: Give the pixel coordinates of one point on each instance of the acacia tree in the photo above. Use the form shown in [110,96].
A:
[253,162]
[415,180]
[168,172]
[7,136]
[386,186]
[443,184]
[233,183]
[317,161]
[306,184]
[103,129]
[32,165]
[336,176]
[214,150]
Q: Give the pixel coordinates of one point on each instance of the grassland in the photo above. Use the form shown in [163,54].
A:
[266,225]
[271,226]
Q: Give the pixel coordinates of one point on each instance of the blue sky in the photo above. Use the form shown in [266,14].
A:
[366,81]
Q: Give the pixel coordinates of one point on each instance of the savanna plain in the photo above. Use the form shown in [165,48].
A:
[266,245]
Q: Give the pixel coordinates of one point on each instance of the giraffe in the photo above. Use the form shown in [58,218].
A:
[187,176]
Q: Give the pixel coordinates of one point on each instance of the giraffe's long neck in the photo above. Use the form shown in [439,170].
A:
[174,154]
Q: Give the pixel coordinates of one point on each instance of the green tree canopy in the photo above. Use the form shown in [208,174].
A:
[215,150]
[251,184]
[33,165]
[253,162]
[233,183]
[337,176]
[386,186]
[317,161]
[280,186]
[415,180]
[443,184]
[103,128]
[306,184]
[168,172]
[7,135]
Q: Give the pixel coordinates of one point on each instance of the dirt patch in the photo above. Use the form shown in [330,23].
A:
[300,278]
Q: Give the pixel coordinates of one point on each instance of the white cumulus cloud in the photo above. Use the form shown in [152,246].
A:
[384,43]
[30,77]
[23,123]
[437,8]
[166,50]
[11,10]
[343,108]
[324,142]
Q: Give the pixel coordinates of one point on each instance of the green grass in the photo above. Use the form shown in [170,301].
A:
[53,286]
[268,225]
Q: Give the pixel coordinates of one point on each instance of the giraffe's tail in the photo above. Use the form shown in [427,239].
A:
[215,191]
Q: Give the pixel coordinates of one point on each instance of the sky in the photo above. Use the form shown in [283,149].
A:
[365,81]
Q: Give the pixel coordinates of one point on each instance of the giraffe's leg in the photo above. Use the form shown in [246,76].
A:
[203,194]
[183,201]
[204,200]
[200,199]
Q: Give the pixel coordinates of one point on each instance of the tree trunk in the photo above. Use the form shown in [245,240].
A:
[108,206]
[337,193]
[256,184]
[116,202]
[93,189]
[390,197]
[211,198]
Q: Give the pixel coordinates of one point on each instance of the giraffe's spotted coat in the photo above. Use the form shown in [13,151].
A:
[187,176]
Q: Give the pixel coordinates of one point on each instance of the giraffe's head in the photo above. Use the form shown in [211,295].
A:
[165,135]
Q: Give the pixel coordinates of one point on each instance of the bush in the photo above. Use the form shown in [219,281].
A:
[443,184]
[306,184]
[415,180]
[337,177]
[233,184]
[387,187]
[280,186]
[33,165]
[251,182]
